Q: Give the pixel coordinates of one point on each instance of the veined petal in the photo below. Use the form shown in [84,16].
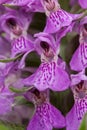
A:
[45,117]
[34,123]
[21,45]
[62,80]
[74,117]
[37,123]
[49,75]
[79,59]
[57,20]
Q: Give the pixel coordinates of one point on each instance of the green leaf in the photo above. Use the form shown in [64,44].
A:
[5,125]
[22,90]
[10,59]
[83,125]
[20,100]
[64,4]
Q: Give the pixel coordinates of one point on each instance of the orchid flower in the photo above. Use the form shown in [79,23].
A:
[56,17]
[46,116]
[79,89]
[49,74]
[17,28]
[79,58]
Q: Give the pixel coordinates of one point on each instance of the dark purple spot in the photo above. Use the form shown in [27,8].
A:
[45,46]
[85,26]
[11,22]
[80,85]
[36,92]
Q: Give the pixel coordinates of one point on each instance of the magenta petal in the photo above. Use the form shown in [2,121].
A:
[21,45]
[62,80]
[76,63]
[79,59]
[17,2]
[77,78]
[46,117]
[49,75]
[6,100]
[58,118]
[83,3]
[72,122]
[57,20]
[36,124]
[3,1]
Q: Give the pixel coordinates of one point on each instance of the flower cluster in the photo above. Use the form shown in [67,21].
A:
[31,64]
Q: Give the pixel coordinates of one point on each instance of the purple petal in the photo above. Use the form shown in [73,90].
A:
[6,100]
[40,120]
[2,86]
[57,117]
[32,5]
[16,2]
[76,114]
[77,78]
[46,117]
[62,32]
[5,47]
[3,1]
[15,16]
[57,20]
[83,3]
[36,124]
[49,75]
[48,38]
[79,59]
[72,122]
[21,45]
[61,63]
